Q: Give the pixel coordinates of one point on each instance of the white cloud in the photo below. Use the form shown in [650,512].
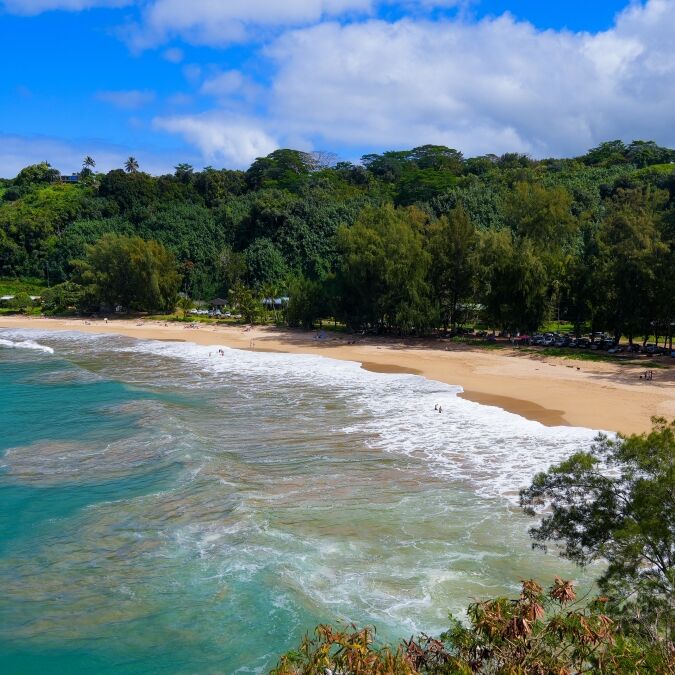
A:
[173,55]
[192,72]
[30,7]
[225,22]
[66,156]
[179,99]
[231,86]
[223,84]
[131,99]
[491,86]
[221,138]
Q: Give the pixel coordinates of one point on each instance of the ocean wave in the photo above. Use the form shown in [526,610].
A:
[26,344]
[494,451]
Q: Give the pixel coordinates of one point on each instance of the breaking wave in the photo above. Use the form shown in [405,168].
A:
[26,344]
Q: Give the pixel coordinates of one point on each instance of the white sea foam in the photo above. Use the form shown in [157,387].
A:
[301,489]
[494,451]
[26,344]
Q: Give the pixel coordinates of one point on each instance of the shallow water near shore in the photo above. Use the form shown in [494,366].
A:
[165,509]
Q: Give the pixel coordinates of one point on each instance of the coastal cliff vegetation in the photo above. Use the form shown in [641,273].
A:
[409,242]
[613,503]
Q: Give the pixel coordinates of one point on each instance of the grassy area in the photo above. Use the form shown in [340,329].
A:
[586,355]
[33,311]
[15,286]
[557,327]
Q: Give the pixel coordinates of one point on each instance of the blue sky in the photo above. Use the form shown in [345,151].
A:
[222,81]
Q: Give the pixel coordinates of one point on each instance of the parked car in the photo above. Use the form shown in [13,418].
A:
[617,349]
[651,348]
[583,343]
[633,349]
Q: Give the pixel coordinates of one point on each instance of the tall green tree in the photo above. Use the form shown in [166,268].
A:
[542,215]
[130,272]
[631,249]
[264,264]
[282,168]
[383,272]
[616,502]
[131,165]
[307,303]
[453,248]
[43,172]
[513,282]
[246,302]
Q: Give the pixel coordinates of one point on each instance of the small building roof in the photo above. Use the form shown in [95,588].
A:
[217,302]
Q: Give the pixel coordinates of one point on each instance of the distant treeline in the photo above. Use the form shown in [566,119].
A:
[408,242]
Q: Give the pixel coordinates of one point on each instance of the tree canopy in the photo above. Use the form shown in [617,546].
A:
[407,242]
[130,272]
[616,502]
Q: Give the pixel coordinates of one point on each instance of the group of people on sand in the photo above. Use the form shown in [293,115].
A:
[649,375]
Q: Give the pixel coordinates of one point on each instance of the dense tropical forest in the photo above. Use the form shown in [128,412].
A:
[409,242]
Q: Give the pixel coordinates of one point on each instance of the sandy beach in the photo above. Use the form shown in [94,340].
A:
[553,391]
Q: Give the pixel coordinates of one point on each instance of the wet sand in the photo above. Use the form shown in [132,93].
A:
[553,391]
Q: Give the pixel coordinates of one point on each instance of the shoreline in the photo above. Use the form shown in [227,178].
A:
[551,390]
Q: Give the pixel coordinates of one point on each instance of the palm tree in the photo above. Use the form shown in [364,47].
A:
[184,172]
[271,291]
[88,163]
[131,165]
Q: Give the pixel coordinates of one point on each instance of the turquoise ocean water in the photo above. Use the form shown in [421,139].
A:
[164,509]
